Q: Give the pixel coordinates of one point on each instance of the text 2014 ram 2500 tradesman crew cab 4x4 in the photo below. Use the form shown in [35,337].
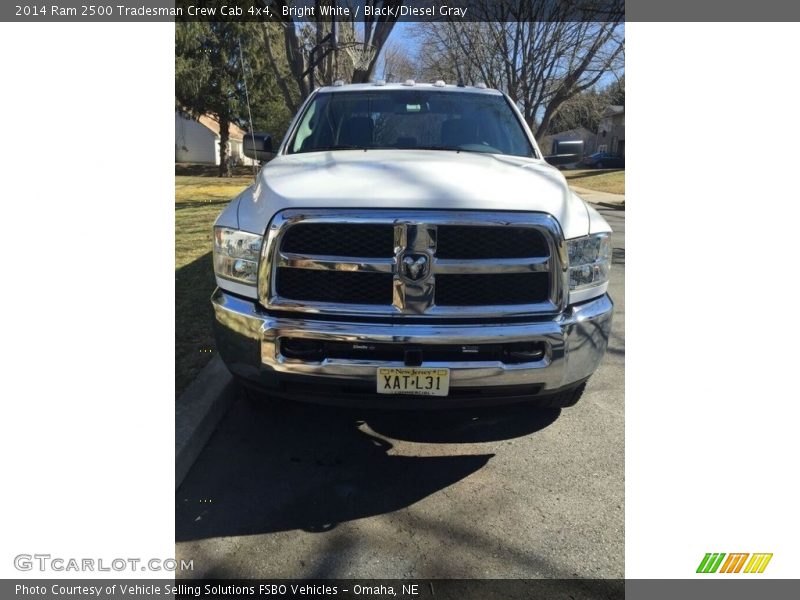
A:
[408,246]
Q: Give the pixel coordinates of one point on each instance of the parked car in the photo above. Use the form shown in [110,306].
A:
[604,160]
[408,246]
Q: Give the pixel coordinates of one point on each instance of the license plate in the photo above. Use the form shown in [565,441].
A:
[413,381]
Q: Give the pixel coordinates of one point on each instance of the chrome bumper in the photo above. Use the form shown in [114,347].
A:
[575,341]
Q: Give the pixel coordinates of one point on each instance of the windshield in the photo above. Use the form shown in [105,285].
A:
[410,119]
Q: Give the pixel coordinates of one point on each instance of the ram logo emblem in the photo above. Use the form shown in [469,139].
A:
[415,267]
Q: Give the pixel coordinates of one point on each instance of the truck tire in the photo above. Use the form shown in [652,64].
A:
[563,399]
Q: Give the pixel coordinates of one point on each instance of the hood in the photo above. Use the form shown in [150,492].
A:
[414,179]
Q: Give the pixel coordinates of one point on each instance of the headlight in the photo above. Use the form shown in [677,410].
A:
[236,255]
[589,265]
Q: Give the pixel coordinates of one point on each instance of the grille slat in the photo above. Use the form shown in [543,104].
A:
[491,289]
[467,242]
[335,286]
[345,239]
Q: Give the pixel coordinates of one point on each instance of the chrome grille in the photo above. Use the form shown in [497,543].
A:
[426,263]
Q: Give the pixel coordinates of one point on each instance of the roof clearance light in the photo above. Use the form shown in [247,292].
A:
[338,83]
[380,82]
[480,86]
[439,83]
[409,82]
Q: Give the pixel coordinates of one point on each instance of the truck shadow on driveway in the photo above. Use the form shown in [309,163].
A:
[275,466]
[462,426]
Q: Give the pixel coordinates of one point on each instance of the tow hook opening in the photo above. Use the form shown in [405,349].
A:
[302,349]
[413,357]
[523,352]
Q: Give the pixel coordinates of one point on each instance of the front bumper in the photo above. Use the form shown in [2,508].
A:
[248,341]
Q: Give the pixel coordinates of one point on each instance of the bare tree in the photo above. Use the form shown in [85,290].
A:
[280,65]
[309,53]
[535,51]
[582,110]
[376,32]
[397,64]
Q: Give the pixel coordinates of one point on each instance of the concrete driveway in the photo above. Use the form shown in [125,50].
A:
[295,491]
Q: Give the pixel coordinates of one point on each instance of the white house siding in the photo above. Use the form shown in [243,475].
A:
[236,150]
[194,142]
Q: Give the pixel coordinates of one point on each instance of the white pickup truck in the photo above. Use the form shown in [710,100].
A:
[408,246]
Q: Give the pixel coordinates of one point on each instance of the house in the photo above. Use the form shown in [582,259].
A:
[549,143]
[197,140]
[611,131]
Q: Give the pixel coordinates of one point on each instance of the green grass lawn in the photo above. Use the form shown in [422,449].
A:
[600,180]
[198,201]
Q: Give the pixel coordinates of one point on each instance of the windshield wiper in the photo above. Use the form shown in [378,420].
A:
[453,149]
[445,148]
[336,147]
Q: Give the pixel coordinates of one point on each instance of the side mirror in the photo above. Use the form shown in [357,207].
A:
[566,153]
[563,159]
[258,146]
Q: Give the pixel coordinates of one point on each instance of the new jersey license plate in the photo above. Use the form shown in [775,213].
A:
[413,381]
